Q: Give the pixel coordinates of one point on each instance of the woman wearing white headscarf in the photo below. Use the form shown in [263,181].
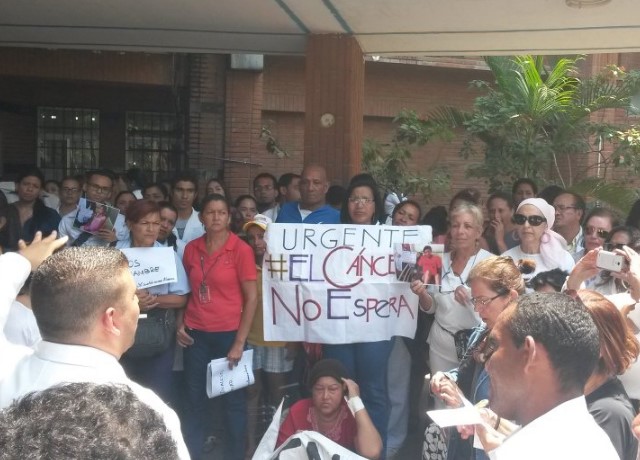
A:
[541,249]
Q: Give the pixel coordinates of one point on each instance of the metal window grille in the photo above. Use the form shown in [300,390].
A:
[152,139]
[68,141]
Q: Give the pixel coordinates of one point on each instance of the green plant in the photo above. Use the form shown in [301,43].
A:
[535,116]
[388,163]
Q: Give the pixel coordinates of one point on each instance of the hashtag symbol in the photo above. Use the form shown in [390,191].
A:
[277,267]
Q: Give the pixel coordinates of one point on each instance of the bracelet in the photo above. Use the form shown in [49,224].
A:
[355,404]
[497,425]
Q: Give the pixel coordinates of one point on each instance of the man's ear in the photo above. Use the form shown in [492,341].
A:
[110,321]
[531,351]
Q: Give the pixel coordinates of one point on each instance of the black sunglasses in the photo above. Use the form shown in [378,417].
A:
[534,221]
[600,233]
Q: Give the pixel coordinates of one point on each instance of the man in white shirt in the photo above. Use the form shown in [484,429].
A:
[85,303]
[14,270]
[539,356]
[97,187]
[570,209]
[183,195]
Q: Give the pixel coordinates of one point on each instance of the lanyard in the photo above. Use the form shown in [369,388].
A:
[205,274]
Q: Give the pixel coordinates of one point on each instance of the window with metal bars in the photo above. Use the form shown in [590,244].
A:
[68,141]
[151,143]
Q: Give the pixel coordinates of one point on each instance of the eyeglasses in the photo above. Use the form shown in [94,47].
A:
[260,188]
[462,282]
[484,354]
[360,200]
[97,189]
[483,301]
[534,221]
[600,233]
[562,208]
[69,189]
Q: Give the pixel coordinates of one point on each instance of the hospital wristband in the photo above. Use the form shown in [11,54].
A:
[355,404]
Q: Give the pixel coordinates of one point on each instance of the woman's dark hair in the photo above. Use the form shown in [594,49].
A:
[159,186]
[363,180]
[554,278]
[470,195]
[633,219]
[219,182]
[550,193]
[438,218]
[602,212]
[214,197]
[501,196]
[244,197]
[632,232]
[167,205]
[402,204]
[524,180]
[141,208]
[124,192]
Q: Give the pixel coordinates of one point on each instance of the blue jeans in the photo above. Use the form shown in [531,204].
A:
[367,365]
[207,346]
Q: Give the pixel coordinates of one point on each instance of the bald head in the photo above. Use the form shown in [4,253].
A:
[313,187]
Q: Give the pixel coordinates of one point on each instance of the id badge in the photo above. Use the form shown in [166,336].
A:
[203,293]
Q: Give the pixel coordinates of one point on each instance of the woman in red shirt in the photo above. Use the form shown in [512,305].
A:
[328,412]
[216,321]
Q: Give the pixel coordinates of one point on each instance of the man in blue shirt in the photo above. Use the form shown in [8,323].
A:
[312,207]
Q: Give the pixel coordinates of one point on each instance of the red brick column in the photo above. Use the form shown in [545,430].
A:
[242,130]
[334,89]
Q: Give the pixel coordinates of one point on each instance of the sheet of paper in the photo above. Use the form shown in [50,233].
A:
[221,379]
[467,415]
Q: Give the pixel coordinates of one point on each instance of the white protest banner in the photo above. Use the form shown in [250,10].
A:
[151,266]
[337,283]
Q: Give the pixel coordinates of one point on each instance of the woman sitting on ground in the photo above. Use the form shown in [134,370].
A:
[327,412]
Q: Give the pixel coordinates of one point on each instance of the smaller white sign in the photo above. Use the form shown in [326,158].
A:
[222,380]
[151,266]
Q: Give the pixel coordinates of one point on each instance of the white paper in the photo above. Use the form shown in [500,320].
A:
[222,380]
[455,417]
[151,266]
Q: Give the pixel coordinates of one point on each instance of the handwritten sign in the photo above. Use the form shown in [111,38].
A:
[337,284]
[151,266]
[222,380]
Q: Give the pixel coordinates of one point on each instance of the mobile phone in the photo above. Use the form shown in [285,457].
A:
[610,261]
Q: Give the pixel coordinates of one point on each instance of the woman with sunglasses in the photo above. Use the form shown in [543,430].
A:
[586,274]
[597,228]
[495,283]
[541,249]
[450,301]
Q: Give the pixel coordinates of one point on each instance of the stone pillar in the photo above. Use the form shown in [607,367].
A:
[334,102]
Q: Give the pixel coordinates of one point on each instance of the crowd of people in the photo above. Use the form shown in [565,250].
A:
[517,311]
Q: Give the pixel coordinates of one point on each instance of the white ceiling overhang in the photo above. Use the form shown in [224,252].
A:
[382,27]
